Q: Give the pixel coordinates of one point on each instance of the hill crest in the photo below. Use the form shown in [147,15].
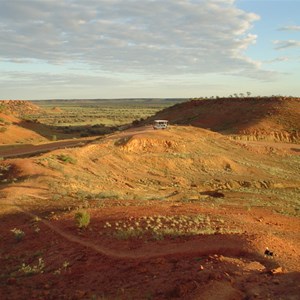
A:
[18,107]
[275,118]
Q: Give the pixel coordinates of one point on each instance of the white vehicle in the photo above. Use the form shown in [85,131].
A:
[160,124]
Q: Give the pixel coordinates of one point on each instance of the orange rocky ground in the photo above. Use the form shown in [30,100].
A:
[19,107]
[11,132]
[184,213]
[13,129]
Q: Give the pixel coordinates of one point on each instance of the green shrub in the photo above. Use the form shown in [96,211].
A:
[67,158]
[3,129]
[83,195]
[4,122]
[18,233]
[108,195]
[82,219]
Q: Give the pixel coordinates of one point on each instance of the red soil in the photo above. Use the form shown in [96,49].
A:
[246,194]
[273,118]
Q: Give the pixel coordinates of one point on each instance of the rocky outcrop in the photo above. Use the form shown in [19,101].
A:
[272,136]
[19,107]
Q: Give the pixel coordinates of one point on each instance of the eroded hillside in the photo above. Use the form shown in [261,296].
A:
[181,158]
[13,128]
[19,108]
[267,118]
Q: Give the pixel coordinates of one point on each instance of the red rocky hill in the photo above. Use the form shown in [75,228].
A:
[270,118]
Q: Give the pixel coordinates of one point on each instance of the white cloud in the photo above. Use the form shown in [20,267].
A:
[277,59]
[144,37]
[45,85]
[286,44]
[290,28]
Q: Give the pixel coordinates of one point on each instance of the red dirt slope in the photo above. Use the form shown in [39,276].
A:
[183,213]
[11,132]
[272,118]
[12,128]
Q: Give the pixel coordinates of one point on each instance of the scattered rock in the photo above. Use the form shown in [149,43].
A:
[275,271]
[269,253]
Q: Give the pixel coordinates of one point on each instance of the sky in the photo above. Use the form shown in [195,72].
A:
[80,49]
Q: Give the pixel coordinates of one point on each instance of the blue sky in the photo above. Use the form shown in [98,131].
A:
[52,49]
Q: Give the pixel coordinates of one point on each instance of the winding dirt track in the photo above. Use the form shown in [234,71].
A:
[233,245]
[29,150]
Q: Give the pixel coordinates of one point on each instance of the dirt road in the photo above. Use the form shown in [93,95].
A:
[28,150]
[11,151]
[24,150]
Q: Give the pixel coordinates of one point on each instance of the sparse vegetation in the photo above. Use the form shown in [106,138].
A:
[108,195]
[18,234]
[99,116]
[202,210]
[34,269]
[158,227]
[67,159]
[64,267]
[3,129]
[55,166]
[82,219]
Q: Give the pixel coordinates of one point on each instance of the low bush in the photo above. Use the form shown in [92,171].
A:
[18,233]
[82,219]
[67,158]
[108,195]
[35,269]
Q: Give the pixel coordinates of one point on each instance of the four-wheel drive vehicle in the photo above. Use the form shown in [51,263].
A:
[160,124]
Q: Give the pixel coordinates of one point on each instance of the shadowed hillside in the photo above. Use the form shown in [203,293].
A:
[270,118]
[14,128]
